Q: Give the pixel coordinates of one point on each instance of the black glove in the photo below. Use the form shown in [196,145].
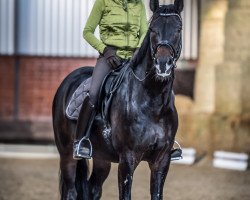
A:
[111,57]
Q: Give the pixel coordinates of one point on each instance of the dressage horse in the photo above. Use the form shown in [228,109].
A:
[143,116]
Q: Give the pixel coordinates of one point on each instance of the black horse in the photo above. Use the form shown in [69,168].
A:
[143,116]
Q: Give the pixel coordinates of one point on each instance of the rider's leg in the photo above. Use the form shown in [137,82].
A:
[101,70]
[87,113]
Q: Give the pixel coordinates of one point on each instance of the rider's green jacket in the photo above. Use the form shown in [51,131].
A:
[122,24]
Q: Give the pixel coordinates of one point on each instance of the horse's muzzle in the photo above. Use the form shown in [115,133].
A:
[164,67]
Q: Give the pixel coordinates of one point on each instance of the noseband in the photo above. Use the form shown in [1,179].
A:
[175,52]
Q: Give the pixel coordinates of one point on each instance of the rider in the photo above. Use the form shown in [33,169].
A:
[123,26]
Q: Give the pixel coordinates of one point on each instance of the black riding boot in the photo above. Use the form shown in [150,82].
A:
[82,147]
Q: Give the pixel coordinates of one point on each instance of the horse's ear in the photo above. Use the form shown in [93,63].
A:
[154,4]
[179,5]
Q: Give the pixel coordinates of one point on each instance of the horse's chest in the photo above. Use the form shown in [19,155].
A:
[145,133]
[139,123]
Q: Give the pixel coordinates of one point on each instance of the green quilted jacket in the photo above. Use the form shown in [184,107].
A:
[122,24]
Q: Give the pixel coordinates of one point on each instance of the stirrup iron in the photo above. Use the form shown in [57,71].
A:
[176,153]
[84,149]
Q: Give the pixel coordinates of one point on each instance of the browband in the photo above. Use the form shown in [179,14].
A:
[171,14]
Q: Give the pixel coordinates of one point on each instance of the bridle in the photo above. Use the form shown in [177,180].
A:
[176,52]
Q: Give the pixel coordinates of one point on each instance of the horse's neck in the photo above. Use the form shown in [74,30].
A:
[156,90]
[145,65]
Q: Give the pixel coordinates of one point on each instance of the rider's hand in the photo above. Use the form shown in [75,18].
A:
[111,57]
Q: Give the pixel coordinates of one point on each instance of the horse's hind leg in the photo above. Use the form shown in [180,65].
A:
[67,179]
[101,171]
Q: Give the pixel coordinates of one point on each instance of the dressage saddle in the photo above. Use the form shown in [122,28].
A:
[109,86]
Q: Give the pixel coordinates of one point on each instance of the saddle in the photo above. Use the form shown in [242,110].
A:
[109,86]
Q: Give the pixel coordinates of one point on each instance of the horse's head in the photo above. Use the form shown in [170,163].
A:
[165,36]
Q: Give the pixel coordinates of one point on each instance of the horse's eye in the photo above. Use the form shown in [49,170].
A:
[154,35]
[154,32]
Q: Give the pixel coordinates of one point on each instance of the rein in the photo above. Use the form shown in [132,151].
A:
[143,79]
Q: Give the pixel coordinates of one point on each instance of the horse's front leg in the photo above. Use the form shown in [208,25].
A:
[127,165]
[159,169]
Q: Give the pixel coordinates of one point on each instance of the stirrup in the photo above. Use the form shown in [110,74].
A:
[176,153]
[84,149]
